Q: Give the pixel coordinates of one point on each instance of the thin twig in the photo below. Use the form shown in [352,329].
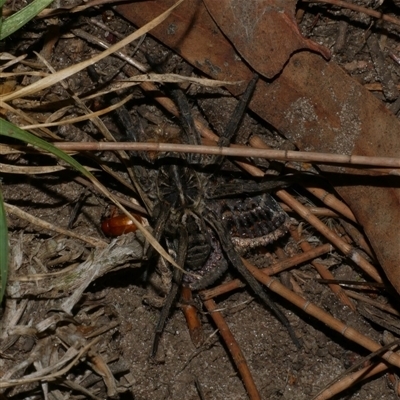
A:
[323,271]
[236,151]
[273,269]
[47,225]
[192,318]
[345,248]
[331,201]
[343,382]
[311,309]
[234,349]
[355,7]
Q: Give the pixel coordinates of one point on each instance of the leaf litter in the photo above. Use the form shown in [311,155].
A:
[96,343]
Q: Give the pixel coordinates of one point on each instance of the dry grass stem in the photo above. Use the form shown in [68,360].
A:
[300,258]
[93,242]
[235,151]
[221,289]
[234,349]
[375,303]
[352,379]
[332,201]
[192,317]
[71,357]
[355,7]
[67,72]
[75,279]
[275,268]
[348,378]
[323,271]
[87,117]
[345,248]
[30,170]
[358,238]
[311,309]
[317,211]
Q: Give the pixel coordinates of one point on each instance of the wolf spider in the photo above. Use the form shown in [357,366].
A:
[203,219]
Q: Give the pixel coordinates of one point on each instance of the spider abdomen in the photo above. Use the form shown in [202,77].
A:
[252,221]
[211,268]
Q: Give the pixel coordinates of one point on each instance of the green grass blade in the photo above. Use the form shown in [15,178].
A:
[3,249]
[21,17]
[12,131]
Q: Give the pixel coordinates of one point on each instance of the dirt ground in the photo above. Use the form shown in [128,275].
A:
[118,308]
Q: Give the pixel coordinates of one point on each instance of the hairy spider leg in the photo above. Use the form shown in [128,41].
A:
[172,295]
[236,261]
[237,115]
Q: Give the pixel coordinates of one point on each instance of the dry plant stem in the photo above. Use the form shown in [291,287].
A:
[355,7]
[331,201]
[323,271]
[377,304]
[311,309]
[357,237]
[124,202]
[89,116]
[164,101]
[192,317]
[52,12]
[345,248]
[287,263]
[275,268]
[349,377]
[47,225]
[26,117]
[234,349]
[317,211]
[221,289]
[71,354]
[29,170]
[235,151]
[327,198]
[352,379]
[49,81]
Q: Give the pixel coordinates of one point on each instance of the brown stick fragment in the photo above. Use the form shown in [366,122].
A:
[345,248]
[331,201]
[221,289]
[355,7]
[311,309]
[297,259]
[237,151]
[352,379]
[234,349]
[274,269]
[357,237]
[375,303]
[323,271]
[192,317]
[317,211]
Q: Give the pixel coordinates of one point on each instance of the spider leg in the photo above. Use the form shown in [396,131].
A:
[240,186]
[236,118]
[186,117]
[162,214]
[172,295]
[236,261]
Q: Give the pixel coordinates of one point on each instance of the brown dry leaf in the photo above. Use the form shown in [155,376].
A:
[265,32]
[313,103]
